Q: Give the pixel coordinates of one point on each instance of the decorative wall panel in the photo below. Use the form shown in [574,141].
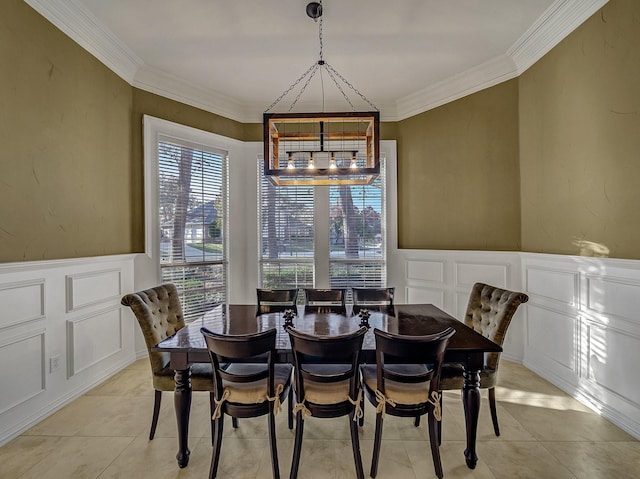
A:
[23,371]
[93,338]
[62,331]
[467,274]
[555,285]
[89,289]
[553,336]
[583,330]
[613,296]
[609,354]
[21,302]
[425,271]
[424,295]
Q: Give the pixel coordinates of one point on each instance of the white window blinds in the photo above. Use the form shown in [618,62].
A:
[357,249]
[354,229]
[287,235]
[192,213]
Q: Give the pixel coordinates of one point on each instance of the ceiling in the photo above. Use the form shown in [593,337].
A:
[235,58]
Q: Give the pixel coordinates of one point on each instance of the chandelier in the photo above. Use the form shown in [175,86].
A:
[339,148]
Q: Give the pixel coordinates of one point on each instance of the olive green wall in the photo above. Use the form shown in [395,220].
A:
[458,177]
[580,140]
[66,152]
[567,130]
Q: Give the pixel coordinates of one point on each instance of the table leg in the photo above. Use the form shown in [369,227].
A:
[471,402]
[182,403]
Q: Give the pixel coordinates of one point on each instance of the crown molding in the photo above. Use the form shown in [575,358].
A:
[555,24]
[85,29]
[558,21]
[485,75]
[178,89]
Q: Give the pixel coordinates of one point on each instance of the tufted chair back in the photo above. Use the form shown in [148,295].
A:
[489,312]
[159,314]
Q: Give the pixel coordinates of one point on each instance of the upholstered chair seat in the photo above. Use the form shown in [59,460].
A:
[256,391]
[396,391]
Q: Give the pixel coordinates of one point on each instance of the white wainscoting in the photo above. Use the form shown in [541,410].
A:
[445,278]
[62,331]
[580,329]
[583,330]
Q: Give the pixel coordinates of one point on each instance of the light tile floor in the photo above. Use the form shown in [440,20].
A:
[104,434]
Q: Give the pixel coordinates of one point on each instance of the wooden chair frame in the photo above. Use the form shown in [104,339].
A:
[325,300]
[227,353]
[373,299]
[276,300]
[427,353]
[327,359]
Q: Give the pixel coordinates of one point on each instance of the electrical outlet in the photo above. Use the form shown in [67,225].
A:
[54,363]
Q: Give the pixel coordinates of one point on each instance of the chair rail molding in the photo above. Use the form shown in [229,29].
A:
[63,331]
[583,330]
[580,329]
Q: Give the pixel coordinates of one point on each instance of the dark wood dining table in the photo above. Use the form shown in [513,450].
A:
[466,347]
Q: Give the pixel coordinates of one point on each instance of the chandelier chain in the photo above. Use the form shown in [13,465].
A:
[354,89]
[316,67]
[313,69]
[320,35]
[330,73]
[292,86]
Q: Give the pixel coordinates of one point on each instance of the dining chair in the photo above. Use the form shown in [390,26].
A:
[407,385]
[373,299]
[276,300]
[159,315]
[325,300]
[489,312]
[326,384]
[246,389]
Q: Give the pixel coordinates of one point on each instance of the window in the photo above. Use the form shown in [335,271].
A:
[287,235]
[192,212]
[322,236]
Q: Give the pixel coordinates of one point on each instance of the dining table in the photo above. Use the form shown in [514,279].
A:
[467,347]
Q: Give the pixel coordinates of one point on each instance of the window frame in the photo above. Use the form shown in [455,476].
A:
[243,232]
[154,130]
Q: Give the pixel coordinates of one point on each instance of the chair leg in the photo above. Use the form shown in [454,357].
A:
[217,443]
[355,445]
[297,446]
[273,445]
[494,413]
[361,420]
[156,412]
[290,409]
[416,421]
[377,441]
[434,440]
